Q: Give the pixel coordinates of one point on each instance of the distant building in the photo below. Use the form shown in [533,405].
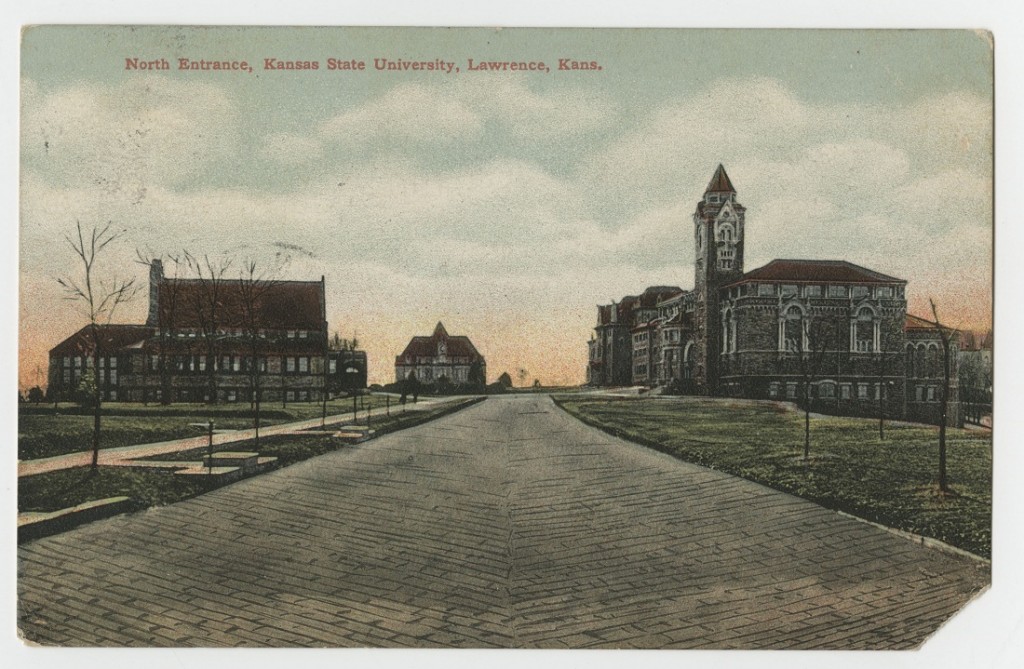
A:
[742,334]
[439,356]
[197,346]
[346,371]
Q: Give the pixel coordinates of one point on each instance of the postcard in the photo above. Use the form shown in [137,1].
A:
[503,338]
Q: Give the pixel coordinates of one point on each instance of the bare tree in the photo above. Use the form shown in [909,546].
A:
[946,336]
[98,300]
[882,362]
[254,286]
[207,305]
[811,340]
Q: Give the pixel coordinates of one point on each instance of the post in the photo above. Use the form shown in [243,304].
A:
[210,447]
[355,418]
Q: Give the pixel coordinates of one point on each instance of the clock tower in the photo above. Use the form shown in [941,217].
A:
[718,224]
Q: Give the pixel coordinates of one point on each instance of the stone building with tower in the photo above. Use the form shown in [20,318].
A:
[841,329]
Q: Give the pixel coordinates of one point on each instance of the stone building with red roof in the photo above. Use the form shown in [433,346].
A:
[836,328]
[202,341]
[441,356]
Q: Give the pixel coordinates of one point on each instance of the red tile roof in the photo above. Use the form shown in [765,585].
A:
[289,305]
[826,271]
[426,347]
[113,338]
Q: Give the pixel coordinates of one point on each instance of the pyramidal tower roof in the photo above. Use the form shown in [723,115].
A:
[720,182]
[439,331]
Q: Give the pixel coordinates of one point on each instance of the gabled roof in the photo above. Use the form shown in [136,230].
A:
[113,338]
[917,323]
[720,182]
[426,347]
[288,305]
[826,271]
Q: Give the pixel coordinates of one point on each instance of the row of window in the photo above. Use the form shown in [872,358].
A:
[831,290]
[827,390]
[81,362]
[240,332]
[864,391]
[227,364]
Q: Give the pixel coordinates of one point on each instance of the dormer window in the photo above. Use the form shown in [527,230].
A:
[713,198]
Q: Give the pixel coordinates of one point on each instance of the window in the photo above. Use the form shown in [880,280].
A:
[113,395]
[333,366]
[290,364]
[291,334]
[837,291]
[931,393]
[844,391]
[304,364]
[792,337]
[67,376]
[303,334]
[765,290]
[827,390]
[788,290]
[67,361]
[113,376]
[202,363]
[812,291]
[791,391]
[232,396]
[773,389]
[883,292]
[236,363]
[862,391]
[865,329]
[290,395]
[860,291]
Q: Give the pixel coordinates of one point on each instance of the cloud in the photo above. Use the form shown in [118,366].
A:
[466,110]
[291,149]
[408,112]
[126,137]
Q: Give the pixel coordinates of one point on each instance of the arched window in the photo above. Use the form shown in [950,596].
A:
[865,328]
[792,335]
[934,360]
[688,360]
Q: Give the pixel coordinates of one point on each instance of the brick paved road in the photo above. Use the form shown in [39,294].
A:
[507,524]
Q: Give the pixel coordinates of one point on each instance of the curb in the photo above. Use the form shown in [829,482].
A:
[43,524]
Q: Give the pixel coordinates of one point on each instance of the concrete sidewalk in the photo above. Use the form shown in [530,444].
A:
[110,456]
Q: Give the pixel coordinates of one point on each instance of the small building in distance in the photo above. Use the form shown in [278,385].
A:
[441,356]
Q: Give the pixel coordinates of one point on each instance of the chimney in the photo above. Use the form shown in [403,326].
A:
[156,276]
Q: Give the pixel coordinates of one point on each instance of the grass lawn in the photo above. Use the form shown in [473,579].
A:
[44,431]
[892,482]
[65,488]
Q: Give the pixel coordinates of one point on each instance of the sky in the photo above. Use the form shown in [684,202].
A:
[505,204]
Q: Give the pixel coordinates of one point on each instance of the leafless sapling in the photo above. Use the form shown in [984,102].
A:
[98,299]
